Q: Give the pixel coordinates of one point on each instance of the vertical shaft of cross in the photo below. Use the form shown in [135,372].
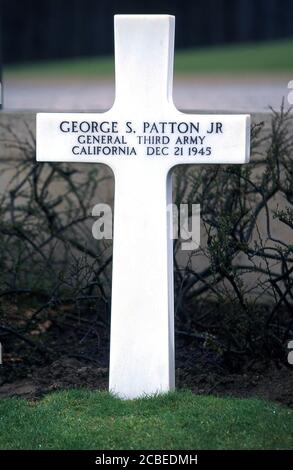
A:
[142,316]
[142,331]
[144,51]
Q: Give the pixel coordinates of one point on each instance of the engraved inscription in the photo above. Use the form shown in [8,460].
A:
[150,138]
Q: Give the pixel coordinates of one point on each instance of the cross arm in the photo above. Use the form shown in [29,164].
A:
[210,139]
[166,139]
[78,137]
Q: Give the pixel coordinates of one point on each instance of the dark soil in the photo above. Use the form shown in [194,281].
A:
[63,351]
[273,384]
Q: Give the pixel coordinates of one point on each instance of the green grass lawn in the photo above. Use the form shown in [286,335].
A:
[272,57]
[80,419]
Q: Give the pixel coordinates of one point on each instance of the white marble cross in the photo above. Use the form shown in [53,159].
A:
[142,137]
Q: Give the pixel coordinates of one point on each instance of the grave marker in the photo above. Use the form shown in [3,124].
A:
[142,137]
